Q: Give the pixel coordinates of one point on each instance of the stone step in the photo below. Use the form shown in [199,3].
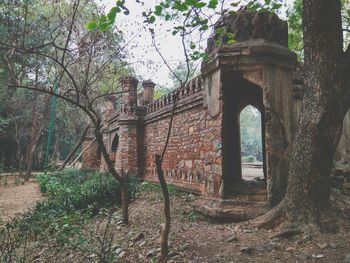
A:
[230,210]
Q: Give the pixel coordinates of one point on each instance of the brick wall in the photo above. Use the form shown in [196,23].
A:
[91,156]
[193,156]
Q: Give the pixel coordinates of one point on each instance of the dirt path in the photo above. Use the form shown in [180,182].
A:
[18,198]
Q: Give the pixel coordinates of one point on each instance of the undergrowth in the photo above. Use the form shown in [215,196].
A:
[75,189]
[148,186]
[60,224]
[77,221]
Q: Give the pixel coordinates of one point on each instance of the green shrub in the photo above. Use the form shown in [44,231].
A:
[149,186]
[248,159]
[73,189]
[73,198]
[51,166]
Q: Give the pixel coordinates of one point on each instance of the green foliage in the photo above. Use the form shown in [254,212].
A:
[251,134]
[266,5]
[72,189]
[148,187]
[248,159]
[52,165]
[59,224]
[190,18]
[105,21]
[191,215]
[59,228]
[295,33]
[44,29]
[161,91]
[183,73]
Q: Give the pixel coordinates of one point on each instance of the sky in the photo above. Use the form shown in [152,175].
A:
[141,54]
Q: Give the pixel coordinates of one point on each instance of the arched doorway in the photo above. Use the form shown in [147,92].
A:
[251,143]
[114,147]
[238,94]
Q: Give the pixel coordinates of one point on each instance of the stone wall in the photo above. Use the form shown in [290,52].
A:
[193,156]
[91,156]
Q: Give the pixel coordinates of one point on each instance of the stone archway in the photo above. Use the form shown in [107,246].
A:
[251,143]
[237,94]
[114,147]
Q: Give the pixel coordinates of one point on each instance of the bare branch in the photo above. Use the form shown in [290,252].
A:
[74,14]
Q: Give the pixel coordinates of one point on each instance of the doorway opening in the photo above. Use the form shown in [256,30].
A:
[114,147]
[243,100]
[251,144]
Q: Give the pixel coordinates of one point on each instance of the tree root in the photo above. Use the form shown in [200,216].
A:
[284,218]
[272,219]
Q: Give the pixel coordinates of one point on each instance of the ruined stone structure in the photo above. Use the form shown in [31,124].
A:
[203,155]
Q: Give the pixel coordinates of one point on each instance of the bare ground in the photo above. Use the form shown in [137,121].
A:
[16,199]
[197,239]
[194,238]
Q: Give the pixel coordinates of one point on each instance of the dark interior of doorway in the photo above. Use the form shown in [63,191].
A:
[237,94]
[114,146]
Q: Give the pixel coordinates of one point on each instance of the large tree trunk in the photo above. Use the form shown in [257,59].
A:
[322,112]
[324,106]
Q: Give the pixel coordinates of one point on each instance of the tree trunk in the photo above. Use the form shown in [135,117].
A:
[125,202]
[32,139]
[165,230]
[56,148]
[307,198]
[36,131]
[76,147]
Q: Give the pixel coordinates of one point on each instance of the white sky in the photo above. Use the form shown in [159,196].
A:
[142,55]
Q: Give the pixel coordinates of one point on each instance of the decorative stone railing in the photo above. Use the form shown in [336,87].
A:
[137,110]
[192,87]
[190,92]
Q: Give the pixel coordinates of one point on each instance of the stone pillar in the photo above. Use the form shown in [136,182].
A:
[256,69]
[129,89]
[127,152]
[148,91]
